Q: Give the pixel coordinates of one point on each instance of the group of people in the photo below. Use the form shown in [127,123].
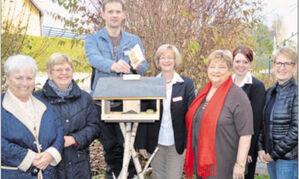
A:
[218,133]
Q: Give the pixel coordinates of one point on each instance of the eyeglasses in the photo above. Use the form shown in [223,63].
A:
[60,70]
[285,64]
[164,58]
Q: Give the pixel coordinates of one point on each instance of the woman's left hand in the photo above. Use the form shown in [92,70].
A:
[43,160]
[249,159]
[268,158]
[238,172]
[68,141]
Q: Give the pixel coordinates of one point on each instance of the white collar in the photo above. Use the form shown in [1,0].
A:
[176,78]
[13,105]
[246,80]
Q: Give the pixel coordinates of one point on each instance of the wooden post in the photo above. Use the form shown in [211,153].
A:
[127,153]
[129,133]
[134,153]
[149,161]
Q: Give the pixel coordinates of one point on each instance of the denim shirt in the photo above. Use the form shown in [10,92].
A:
[99,53]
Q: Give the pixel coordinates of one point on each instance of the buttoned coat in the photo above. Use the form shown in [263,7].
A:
[18,143]
[80,119]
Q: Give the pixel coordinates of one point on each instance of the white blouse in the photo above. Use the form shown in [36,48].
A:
[166,135]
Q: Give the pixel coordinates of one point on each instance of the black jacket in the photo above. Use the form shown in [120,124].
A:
[148,133]
[80,119]
[283,123]
[256,94]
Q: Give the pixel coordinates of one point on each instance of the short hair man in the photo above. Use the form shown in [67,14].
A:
[105,53]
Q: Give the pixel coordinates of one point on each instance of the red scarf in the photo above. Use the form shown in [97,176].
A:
[206,142]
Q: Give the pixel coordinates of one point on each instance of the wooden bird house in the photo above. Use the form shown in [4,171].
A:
[131,90]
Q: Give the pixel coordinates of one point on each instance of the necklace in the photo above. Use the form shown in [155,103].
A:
[169,81]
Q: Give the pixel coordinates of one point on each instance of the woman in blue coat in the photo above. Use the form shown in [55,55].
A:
[77,113]
[31,134]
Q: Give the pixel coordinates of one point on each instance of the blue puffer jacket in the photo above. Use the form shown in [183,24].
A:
[283,122]
[17,141]
[80,119]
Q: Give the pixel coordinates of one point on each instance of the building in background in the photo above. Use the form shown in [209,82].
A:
[21,14]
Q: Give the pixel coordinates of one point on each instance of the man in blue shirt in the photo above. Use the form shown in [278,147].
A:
[105,51]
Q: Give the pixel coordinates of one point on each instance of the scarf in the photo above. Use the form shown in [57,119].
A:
[206,142]
[60,92]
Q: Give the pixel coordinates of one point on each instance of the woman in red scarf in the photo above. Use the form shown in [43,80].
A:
[219,123]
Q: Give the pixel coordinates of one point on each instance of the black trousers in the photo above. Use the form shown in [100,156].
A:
[113,143]
[251,168]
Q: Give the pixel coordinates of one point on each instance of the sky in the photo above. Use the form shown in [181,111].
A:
[48,6]
[285,9]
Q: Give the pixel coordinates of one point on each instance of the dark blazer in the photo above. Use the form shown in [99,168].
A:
[148,133]
[256,94]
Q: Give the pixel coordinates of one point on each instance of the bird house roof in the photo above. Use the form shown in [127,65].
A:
[118,88]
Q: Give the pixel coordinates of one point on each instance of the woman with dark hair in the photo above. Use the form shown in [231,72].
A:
[255,90]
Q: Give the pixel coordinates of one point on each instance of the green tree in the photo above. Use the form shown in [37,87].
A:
[264,46]
[13,33]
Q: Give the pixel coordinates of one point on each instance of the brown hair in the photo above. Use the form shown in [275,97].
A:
[246,51]
[110,1]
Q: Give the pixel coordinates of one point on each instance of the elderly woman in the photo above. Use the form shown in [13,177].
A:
[31,133]
[278,141]
[76,112]
[170,132]
[255,90]
[219,123]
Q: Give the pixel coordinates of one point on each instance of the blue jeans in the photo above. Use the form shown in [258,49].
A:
[283,169]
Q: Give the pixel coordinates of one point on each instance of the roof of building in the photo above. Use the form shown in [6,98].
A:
[36,6]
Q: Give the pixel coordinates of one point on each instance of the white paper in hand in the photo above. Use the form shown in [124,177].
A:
[135,55]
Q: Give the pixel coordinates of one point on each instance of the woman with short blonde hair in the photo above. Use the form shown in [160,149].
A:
[219,124]
[278,139]
[169,133]
[77,112]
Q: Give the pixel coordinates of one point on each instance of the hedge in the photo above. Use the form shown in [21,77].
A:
[41,48]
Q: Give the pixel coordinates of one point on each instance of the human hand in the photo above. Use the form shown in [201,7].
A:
[268,158]
[144,153]
[262,155]
[42,160]
[238,171]
[36,159]
[249,159]
[121,67]
[68,141]
[138,65]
